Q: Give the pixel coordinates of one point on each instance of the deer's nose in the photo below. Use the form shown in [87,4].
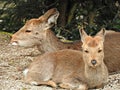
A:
[93,62]
[14,43]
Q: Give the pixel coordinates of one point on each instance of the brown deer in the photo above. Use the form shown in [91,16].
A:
[112,51]
[36,32]
[71,69]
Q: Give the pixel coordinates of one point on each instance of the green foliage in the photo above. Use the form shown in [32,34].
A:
[14,13]
[91,14]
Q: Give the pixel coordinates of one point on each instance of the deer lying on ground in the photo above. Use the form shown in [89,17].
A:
[112,51]
[36,32]
[71,69]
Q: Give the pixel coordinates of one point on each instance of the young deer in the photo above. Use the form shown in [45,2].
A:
[71,69]
[36,32]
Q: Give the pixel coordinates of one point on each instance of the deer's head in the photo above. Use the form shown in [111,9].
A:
[93,49]
[31,33]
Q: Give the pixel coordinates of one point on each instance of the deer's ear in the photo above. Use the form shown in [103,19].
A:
[53,18]
[101,33]
[83,34]
[50,16]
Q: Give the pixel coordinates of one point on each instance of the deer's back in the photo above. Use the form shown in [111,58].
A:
[52,43]
[112,51]
[75,45]
[60,63]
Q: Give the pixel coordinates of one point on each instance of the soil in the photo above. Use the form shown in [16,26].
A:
[13,60]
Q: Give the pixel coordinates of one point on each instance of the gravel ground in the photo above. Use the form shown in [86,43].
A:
[13,60]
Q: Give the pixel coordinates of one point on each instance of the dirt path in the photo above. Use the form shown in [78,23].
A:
[13,61]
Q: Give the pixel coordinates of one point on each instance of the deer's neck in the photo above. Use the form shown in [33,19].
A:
[96,76]
[50,42]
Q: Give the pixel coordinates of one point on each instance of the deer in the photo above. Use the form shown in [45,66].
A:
[71,69]
[112,51]
[37,32]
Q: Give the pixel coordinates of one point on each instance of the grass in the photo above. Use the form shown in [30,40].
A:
[5,36]
[5,33]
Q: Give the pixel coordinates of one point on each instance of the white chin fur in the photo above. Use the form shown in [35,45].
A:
[14,43]
[34,83]
[25,72]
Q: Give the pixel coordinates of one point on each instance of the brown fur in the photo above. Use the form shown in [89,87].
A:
[112,51]
[93,43]
[46,41]
[70,69]
[41,35]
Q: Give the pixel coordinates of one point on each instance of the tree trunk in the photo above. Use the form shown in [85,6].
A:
[62,20]
[71,14]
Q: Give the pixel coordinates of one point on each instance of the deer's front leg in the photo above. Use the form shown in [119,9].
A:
[72,82]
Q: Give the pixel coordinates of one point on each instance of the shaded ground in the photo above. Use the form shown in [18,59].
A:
[13,61]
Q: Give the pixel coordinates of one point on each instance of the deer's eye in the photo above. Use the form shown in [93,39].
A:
[86,51]
[36,33]
[28,31]
[99,51]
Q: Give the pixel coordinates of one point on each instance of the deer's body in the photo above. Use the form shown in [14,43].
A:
[36,32]
[71,69]
[51,43]
[112,51]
